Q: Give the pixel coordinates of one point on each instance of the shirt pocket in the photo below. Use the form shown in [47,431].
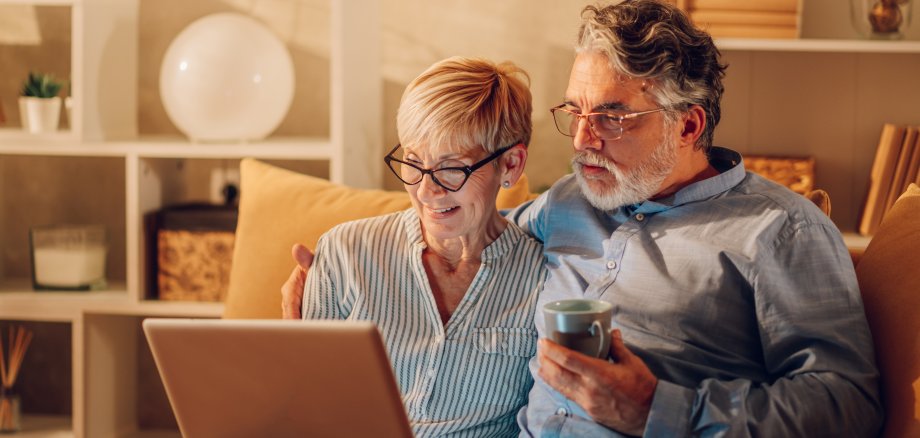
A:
[507,341]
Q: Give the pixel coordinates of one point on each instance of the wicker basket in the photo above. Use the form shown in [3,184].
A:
[796,173]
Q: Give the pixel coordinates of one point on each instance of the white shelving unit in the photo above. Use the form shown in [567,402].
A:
[103,75]
[105,324]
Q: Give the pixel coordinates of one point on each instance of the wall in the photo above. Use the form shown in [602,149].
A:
[830,105]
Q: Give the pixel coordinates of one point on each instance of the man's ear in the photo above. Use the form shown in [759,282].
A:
[512,163]
[692,124]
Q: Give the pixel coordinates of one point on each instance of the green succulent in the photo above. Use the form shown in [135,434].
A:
[41,85]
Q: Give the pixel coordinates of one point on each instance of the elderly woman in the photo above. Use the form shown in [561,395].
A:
[450,283]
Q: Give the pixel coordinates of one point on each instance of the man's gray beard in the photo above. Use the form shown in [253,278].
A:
[631,186]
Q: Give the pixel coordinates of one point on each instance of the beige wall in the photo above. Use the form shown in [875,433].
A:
[830,105]
[415,33]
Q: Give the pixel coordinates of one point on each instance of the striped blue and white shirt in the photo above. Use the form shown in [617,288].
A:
[466,378]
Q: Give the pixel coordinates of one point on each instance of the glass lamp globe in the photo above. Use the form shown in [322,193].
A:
[226,77]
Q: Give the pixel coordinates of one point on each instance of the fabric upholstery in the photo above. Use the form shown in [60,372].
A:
[821,199]
[889,279]
[278,208]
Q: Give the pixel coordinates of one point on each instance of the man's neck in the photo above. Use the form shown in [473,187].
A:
[693,168]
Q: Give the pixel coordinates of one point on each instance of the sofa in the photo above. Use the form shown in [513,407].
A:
[279,208]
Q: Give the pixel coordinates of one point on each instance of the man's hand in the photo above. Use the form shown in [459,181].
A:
[617,395]
[292,290]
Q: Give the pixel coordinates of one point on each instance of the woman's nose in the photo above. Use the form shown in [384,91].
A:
[427,188]
[584,138]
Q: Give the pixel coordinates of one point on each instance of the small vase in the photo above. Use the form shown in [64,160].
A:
[881,19]
[9,411]
[40,114]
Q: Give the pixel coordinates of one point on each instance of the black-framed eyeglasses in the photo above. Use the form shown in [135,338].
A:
[450,178]
[604,126]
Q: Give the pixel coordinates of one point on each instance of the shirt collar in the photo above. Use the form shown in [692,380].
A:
[731,172]
[499,247]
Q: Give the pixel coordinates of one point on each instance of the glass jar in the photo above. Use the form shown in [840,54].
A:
[881,19]
[9,411]
[68,257]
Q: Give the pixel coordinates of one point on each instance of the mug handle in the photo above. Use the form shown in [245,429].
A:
[595,330]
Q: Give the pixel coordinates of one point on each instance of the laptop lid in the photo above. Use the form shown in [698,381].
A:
[249,378]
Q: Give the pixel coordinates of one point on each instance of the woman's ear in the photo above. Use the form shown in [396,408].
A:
[512,164]
[692,124]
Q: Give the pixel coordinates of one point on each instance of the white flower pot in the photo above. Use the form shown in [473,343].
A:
[40,114]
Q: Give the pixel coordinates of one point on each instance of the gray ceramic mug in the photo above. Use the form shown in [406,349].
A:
[581,325]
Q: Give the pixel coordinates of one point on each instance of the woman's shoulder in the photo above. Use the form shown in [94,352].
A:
[387,227]
[523,247]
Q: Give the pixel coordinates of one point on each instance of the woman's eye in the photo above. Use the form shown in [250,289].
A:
[452,163]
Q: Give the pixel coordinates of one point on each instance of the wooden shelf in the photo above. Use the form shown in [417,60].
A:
[303,148]
[19,301]
[299,148]
[153,308]
[817,45]
[40,2]
[45,426]
[856,241]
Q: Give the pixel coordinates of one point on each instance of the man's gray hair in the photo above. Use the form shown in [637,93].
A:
[657,41]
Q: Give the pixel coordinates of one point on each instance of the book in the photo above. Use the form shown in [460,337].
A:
[743,18]
[913,166]
[750,31]
[900,169]
[886,156]
[745,5]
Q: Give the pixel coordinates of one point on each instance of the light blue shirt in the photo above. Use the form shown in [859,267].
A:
[466,378]
[738,294]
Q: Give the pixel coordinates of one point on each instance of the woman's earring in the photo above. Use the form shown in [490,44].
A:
[506,184]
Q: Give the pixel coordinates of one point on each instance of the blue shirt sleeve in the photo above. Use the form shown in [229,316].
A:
[817,352]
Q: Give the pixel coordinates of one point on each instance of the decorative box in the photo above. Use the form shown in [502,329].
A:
[796,173]
[189,252]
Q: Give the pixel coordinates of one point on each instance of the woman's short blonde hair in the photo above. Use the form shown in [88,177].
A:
[466,102]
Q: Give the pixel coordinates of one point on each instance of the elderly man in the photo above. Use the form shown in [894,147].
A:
[736,307]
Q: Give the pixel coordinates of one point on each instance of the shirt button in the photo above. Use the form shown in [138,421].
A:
[430,373]
[611,265]
[562,411]
[640,217]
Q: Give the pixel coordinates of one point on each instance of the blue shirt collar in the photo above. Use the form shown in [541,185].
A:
[726,161]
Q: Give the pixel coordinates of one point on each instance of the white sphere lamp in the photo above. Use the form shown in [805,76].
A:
[227,77]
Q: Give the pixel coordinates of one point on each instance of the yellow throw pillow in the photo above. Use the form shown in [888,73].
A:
[890,285]
[279,208]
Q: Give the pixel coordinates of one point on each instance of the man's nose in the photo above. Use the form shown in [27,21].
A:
[584,137]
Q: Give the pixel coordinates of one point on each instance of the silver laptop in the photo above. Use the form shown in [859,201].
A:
[248,378]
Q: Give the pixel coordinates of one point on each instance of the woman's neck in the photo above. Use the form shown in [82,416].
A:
[456,250]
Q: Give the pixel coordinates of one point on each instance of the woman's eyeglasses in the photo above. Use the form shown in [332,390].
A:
[450,178]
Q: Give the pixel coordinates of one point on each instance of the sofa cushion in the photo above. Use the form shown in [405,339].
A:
[278,208]
[889,279]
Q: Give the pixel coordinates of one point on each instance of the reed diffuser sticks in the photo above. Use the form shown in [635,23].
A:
[19,339]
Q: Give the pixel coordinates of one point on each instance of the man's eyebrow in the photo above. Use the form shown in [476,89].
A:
[611,106]
[606,106]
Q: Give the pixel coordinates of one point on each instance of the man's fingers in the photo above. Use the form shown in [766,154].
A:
[571,360]
[302,255]
[618,350]
[557,377]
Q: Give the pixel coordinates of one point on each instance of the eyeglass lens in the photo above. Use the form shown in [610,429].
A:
[601,125]
[451,179]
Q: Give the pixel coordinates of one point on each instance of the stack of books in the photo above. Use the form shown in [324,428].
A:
[745,18]
[896,166]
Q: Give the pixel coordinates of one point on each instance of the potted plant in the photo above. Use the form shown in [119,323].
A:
[40,105]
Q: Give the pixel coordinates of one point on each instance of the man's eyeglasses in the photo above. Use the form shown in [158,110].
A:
[604,126]
[450,178]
